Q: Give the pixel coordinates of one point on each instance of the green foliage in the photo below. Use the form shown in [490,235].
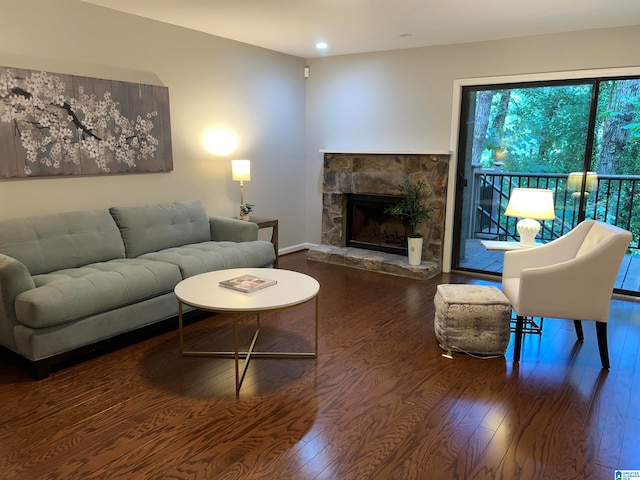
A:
[412,207]
[545,129]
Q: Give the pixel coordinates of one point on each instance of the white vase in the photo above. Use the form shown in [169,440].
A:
[415,250]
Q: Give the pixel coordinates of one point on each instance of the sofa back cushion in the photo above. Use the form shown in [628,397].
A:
[63,240]
[150,228]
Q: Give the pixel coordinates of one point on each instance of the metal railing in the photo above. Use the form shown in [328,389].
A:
[611,202]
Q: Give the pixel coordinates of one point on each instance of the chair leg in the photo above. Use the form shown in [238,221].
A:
[518,339]
[579,332]
[601,330]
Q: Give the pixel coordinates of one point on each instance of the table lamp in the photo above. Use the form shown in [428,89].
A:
[530,205]
[241,172]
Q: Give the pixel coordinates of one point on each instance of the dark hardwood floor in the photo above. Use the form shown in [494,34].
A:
[380,402]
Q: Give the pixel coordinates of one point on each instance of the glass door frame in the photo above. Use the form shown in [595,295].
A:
[456,177]
[465,179]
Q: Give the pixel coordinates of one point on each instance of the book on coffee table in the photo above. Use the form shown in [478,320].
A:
[247,283]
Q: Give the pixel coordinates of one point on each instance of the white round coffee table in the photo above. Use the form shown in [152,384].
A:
[203,292]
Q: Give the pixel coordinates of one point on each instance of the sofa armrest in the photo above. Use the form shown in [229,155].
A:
[515,261]
[578,289]
[14,279]
[232,229]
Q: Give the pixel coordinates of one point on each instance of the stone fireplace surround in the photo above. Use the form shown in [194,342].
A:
[381,174]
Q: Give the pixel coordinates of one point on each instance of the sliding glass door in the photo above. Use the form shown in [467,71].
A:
[581,139]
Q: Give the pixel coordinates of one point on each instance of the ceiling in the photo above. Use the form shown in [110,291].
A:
[357,26]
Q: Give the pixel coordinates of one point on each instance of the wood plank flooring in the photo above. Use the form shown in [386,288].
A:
[379,403]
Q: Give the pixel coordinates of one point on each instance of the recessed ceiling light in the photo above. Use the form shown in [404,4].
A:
[321,45]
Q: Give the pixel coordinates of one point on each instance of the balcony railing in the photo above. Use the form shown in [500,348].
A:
[611,202]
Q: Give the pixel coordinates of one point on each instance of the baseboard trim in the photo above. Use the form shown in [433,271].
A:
[296,248]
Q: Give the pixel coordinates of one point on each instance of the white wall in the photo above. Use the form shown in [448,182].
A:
[212,81]
[402,100]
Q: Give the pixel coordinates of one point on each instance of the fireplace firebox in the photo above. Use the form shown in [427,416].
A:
[369,227]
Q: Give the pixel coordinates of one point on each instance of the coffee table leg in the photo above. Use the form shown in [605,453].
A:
[247,354]
[250,352]
[316,349]
[236,347]
[180,326]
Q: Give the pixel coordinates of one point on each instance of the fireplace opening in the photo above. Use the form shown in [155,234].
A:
[369,227]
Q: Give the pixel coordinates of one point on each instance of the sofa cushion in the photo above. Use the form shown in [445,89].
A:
[150,228]
[71,294]
[64,240]
[209,256]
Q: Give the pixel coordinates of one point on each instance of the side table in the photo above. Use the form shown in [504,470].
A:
[504,245]
[272,223]
[530,323]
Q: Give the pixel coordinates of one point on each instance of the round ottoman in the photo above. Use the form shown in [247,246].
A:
[472,319]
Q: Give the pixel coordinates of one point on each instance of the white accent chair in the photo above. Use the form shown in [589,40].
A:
[571,277]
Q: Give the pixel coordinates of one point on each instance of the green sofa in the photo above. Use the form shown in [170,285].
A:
[70,280]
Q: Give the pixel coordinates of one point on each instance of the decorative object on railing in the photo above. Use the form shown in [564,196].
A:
[530,205]
[53,124]
[575,184]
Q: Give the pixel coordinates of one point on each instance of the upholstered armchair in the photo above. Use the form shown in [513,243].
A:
[571,277]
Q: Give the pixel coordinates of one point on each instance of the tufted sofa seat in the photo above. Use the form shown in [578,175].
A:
[67,295]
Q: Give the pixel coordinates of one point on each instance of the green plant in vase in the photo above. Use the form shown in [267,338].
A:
[412,207]
[245,209]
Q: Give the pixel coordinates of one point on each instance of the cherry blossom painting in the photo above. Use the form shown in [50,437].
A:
[56,124]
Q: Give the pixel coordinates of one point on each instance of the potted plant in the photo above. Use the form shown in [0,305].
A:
[413,209]
[245,210]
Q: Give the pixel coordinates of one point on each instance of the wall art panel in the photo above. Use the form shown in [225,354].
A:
[55,124]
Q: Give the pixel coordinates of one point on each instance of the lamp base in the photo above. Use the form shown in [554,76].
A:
[528,228]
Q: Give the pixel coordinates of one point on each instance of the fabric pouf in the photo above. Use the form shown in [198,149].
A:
[472,319]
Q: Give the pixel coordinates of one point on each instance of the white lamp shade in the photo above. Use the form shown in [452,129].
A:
[531,203]
[241,170]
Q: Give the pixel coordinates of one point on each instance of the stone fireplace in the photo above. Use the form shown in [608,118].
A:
[380,174]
